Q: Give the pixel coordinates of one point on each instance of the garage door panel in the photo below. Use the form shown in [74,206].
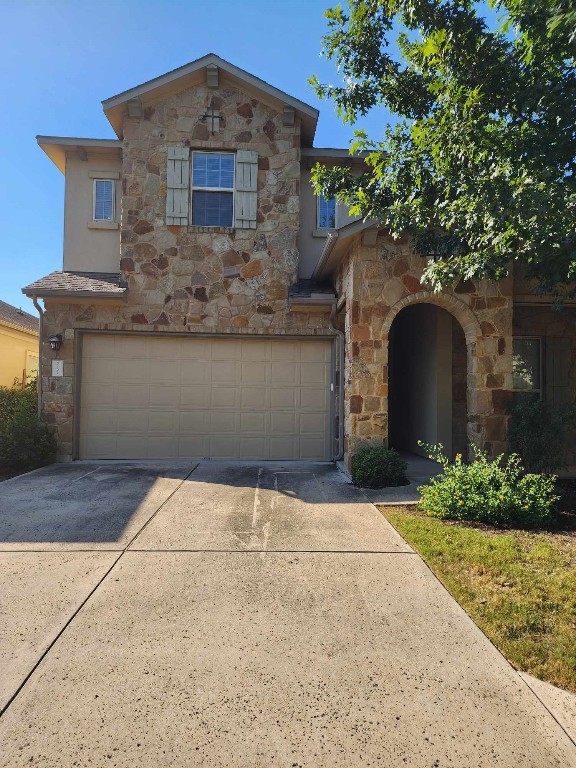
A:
[224,372]
[193,446]
[254,373]
[254,398]
[237,398]
[223,422]
[163,396]
[224,397]
[254,422]
[284,373]
[195,397]
[195,371]
[284,398]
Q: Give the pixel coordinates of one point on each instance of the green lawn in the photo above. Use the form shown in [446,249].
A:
[518,586]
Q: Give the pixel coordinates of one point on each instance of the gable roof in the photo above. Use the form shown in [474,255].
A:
[192,74]
[17,318]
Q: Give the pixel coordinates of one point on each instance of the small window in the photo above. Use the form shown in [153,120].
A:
[326,213]
[103,200]
[527,365]
[212,189]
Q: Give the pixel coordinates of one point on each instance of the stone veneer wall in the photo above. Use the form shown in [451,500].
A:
[378,282]
[191,279]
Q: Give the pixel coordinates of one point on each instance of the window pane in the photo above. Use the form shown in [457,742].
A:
[212,209]
[526,364]
[213,169]
[103,200]
[326,212]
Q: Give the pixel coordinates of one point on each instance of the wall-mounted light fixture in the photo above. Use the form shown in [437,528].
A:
[55,342]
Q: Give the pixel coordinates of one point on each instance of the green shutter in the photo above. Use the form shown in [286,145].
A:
[177,186]
[245,202]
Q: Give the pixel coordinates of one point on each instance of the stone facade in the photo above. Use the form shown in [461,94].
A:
[185,279]
[378,282]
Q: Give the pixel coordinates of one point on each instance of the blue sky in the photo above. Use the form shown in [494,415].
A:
[60,58]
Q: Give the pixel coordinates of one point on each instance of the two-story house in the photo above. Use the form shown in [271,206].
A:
[210,305]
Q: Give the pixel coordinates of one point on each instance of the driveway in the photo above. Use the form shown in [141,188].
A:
[239,615]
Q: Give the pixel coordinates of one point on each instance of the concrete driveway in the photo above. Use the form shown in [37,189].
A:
[239,615]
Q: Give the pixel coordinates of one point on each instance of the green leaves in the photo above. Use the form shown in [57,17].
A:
[484,151]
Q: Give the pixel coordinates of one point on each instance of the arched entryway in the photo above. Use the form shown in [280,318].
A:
[429,376]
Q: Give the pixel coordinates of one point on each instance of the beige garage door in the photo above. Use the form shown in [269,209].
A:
[150,397]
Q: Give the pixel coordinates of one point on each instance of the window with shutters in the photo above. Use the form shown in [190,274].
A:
[212,189]
[326,213]
[103,208]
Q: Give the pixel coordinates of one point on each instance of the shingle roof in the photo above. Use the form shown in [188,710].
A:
[10,315]
[96,284]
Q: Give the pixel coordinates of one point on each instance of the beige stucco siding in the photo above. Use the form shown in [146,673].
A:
[312,240]
[18,355]
[90,246]
[237,398]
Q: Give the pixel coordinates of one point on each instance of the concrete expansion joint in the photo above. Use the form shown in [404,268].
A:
[65,626]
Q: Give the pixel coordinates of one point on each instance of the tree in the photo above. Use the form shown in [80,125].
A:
[479,164]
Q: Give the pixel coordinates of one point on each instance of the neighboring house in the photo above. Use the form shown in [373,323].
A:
[205,293]
[18,346]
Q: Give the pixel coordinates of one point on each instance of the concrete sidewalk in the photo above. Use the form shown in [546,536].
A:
[241,615]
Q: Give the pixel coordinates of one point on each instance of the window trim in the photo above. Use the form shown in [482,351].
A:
[231,190]
[540,390]
[318,225]
[113,218]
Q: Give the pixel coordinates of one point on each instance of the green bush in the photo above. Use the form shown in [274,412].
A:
[26,441]
[492,491]
[537,433]
[378,467]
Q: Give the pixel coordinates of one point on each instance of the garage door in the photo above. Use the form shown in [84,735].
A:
[151,397]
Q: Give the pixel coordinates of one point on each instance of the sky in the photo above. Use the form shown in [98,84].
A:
[60,58]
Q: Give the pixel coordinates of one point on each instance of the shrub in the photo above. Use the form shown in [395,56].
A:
[537,433]
[378,467]
[494,491]
[26,441]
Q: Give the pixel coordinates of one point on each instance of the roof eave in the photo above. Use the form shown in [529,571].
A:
[49,293]
[57,146]
[16,327]
[114,106]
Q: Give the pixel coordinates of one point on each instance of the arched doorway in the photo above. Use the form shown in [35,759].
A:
[427,376]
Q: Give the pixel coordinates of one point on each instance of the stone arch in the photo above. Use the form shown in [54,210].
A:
[455,306]
[472,331]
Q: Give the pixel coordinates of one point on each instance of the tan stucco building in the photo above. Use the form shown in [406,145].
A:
[18,346]
[210,305]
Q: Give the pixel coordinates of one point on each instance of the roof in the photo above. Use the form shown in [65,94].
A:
[338,242]
[56,147]
[193,73]
[97,285]
[17,318]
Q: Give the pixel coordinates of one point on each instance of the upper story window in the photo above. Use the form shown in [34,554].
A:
[103,200]
[326,213]
[212,189]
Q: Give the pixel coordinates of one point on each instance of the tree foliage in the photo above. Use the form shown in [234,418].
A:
[479,163]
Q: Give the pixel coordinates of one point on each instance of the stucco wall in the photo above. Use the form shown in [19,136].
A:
[18,355]
[312,240]
[89,246]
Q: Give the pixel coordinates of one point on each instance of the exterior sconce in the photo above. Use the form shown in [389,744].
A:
[55,342]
